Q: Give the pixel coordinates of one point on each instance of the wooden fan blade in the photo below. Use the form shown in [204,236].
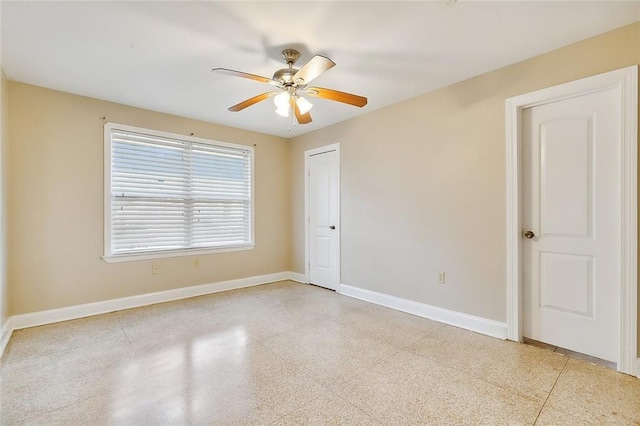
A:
[312,69]
[302,118]
[338,96]
[246,75]
[251,101]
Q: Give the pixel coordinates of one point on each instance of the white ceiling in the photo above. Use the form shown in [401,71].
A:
[158,55]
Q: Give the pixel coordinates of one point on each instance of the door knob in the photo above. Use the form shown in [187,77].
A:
[528,234]
[332,227]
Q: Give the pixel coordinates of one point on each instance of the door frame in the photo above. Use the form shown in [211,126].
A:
[307,213]
[624,80]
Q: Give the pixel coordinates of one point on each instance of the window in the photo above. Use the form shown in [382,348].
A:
[168,194]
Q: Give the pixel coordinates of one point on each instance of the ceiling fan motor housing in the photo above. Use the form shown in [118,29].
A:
[285,75]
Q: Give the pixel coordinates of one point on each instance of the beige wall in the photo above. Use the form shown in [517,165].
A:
[423,182]
[56,204]
[4,139]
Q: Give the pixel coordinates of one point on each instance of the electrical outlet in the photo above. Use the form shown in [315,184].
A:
[196,263]
[440,277]
[155,268]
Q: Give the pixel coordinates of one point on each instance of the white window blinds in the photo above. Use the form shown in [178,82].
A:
[177,194]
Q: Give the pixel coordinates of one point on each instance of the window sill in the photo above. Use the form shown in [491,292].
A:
[115,258]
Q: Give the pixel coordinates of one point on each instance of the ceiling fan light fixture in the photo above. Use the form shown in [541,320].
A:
[303,104]
[283,111]
[281,100]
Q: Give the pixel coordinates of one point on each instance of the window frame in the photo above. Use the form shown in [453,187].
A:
[108,255]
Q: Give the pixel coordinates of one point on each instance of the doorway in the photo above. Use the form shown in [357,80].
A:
[322,216]
[571,217]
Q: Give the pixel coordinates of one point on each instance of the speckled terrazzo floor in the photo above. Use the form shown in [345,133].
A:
[288,353]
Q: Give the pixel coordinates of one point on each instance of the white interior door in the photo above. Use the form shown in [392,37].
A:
[324,218]
[571,205]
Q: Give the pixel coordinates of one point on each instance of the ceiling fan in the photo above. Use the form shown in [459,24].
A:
[291,84]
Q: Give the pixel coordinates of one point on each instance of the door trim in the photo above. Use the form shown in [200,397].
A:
[626,81]
[307,214]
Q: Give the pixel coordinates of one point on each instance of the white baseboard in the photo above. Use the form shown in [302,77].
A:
[299,278]
[34,319]
[638,369]
[469,322]
[5,334]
